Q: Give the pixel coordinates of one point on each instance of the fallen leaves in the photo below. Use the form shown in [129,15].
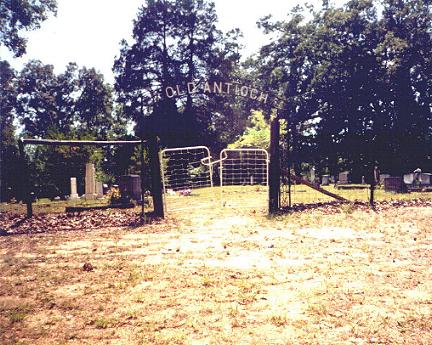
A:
[338,206]
[11,223]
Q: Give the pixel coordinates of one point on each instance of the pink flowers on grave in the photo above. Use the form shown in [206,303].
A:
[185,192]
[182,192]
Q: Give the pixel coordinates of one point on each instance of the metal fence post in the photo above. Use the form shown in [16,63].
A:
[25,186]
[274,167]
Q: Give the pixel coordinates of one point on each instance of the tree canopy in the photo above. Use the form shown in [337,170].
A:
[18,15]
[354,84]
[175,42]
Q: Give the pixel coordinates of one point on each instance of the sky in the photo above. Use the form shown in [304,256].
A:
[88,32]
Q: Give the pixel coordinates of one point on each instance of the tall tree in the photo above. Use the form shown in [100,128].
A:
[356,84]
[9,168]
[404,49]
[76,104]
[37,104]
[94,105]
[175,42]
[18,15]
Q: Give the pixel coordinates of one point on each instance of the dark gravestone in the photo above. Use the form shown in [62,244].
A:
[130,186]
[394,184]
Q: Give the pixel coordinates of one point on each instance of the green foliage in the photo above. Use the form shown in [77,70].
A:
[356,85]
[9,163]
[256,134]
[77,103]
[180,43]
[22,15]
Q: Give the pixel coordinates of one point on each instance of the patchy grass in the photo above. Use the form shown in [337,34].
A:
[43,206]
[48,206]
[228,197]
[102,323]
[225,277]
[256,197]
[302,194]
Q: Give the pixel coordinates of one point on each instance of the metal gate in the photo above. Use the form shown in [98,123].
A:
[187,178]
[190,178]
[244,177]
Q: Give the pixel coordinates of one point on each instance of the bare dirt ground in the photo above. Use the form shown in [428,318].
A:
[348,276]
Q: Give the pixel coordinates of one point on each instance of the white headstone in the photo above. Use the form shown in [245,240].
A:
[73,187]
[312,174]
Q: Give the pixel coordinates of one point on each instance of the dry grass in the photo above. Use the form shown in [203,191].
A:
[352,277]
[48,206]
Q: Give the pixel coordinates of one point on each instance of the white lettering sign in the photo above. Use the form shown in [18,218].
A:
[217,87]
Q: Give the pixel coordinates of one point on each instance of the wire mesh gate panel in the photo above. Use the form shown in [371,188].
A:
[244,178]
[187,177]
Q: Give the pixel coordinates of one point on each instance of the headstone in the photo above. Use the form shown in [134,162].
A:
[344,177]
[418,179]
[377,174]
[383,177]
[304,176]
[73,186]
[130,185]
[409,179]
[325,180]
[99,190]
[90,184]
[312,174]
[426,179]
[394,184]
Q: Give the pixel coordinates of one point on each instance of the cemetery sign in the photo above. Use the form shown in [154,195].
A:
[220,87]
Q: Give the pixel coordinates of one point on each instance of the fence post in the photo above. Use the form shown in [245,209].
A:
[156,177]
[373,186]
[274,166]
[25,185]
[142,179]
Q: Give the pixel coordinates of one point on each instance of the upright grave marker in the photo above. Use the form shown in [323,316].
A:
[325,180]
[312,174]
[99,189]
[90,183]
[73,186]
[344,177]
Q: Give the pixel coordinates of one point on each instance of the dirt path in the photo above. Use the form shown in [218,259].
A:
[237,277]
